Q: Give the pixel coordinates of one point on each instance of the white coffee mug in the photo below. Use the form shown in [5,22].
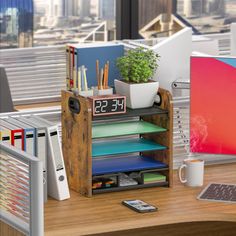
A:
[193,172]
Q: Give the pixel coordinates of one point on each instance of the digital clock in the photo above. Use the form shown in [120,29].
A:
[108,104]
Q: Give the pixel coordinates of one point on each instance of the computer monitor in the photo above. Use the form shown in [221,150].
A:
[233,39]
[212,105]
[6,104]
[175,52]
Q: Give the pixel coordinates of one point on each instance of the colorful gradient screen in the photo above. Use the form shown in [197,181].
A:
[213,105]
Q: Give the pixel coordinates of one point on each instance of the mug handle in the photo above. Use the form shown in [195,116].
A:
[180,174]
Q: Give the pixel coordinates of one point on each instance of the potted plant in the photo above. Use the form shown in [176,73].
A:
[137,68]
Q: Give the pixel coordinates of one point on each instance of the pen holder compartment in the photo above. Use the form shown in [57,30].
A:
[106,91]
[86,93]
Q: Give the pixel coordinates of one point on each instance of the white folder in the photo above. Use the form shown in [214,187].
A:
[40,148]
[57,180]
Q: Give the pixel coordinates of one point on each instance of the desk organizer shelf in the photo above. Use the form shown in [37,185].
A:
[124,128]
[112,146]
[124,146]
[124,164]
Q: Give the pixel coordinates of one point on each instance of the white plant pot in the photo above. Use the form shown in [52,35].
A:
[138,95]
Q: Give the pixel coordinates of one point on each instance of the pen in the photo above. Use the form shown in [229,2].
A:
[75,79]
[72,67]
[101,78]
[79,79]
[68,68]
[85,79]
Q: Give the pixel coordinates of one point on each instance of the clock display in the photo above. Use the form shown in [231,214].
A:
[108,105]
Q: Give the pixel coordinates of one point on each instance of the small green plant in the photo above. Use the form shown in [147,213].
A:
[138,66]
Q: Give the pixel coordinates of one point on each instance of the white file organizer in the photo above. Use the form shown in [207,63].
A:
[21,189]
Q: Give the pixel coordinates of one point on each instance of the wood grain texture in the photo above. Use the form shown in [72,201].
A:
[164,138]
[6,230]
[37,105]
[104,214]
[77,144]
[215,228]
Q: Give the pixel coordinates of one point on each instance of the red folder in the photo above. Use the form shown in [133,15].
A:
[17,138]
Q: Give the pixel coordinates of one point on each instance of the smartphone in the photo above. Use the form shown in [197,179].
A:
[139,206]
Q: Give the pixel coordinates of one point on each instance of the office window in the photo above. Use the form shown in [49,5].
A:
[155,18]
[16,23]
[144,18]
[26,23]
[159,18]
[208,16]
[63,21]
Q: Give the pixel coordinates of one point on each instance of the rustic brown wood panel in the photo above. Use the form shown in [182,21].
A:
[77,144]
[164,138]
[6,230]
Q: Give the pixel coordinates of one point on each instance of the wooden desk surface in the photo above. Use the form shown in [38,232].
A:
[103,214]
[37,106]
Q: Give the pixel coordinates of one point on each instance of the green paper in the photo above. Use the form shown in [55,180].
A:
[150,177]
[124,146]
[124,128]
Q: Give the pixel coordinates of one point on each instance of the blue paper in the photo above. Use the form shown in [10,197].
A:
[110,165]
[88,56]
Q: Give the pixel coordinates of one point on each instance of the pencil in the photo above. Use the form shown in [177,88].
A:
[97,73]
[105,77]
[107,73]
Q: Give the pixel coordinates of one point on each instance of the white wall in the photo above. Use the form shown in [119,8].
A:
[233,39]
[174,62]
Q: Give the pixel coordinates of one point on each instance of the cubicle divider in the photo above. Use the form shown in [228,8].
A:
[233,39]
[180,129]
[21,193]
[38,74]
[35,74]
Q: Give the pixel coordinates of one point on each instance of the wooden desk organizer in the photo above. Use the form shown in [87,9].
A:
[155,128]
